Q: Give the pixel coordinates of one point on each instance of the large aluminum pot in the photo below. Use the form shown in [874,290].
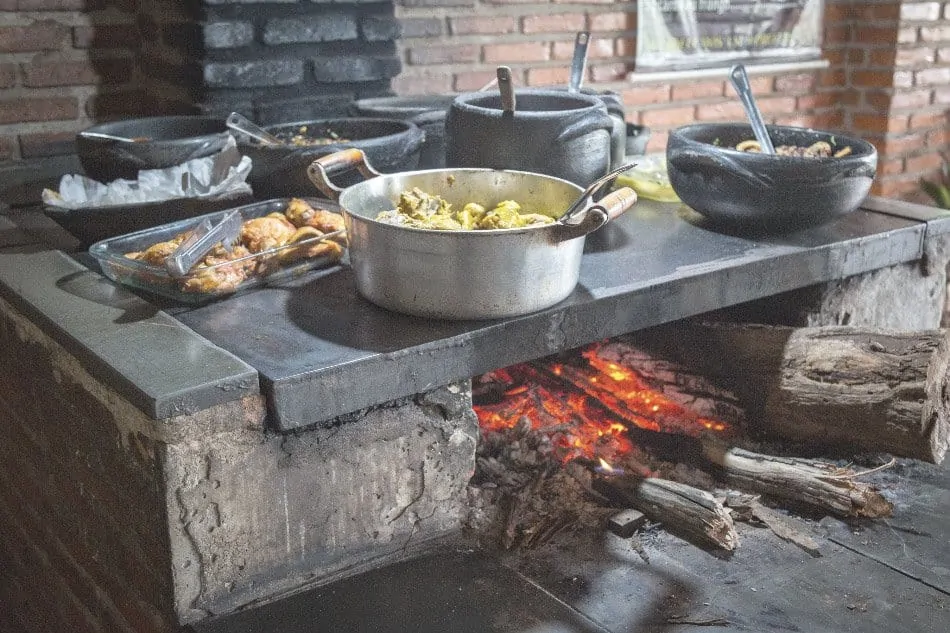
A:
[482,274]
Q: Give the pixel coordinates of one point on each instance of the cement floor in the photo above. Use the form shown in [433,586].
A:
[888,575]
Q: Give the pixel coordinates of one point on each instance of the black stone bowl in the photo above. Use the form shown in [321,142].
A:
[280,171]
[162,141]
[762,192]
[426,111]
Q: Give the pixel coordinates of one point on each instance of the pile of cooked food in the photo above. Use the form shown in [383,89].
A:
[302,138]
[421,210]
[820,149]
[263,245]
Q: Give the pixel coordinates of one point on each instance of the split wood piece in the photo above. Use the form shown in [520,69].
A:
[859,389]
[804,481]
[689,512]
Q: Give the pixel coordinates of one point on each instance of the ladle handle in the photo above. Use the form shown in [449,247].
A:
[239,123]
[320,170]
[740,81]
[506,89]
[579,62]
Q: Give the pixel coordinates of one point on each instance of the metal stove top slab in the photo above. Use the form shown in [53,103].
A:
[322,351]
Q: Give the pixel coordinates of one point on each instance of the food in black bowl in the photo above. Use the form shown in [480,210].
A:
[814,177]
[150,143]
[281,170]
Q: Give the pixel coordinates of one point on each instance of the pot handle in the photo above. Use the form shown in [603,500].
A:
[611,206]
[586,124]
[319,170]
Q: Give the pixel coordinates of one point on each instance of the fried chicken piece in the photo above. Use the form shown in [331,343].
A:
[301,214]
[156,254]
[324,248]
[260,234]
[215,275]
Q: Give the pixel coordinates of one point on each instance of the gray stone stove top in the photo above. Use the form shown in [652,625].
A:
[321,351]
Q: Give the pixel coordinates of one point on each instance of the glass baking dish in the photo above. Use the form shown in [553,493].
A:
[209,281]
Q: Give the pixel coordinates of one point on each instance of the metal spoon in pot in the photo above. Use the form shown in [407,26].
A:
[740,81]
[579,63]
[243,125]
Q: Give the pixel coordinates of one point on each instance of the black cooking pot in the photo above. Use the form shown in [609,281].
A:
[551,132]
[155,143]
[767,192]
[618,134]
[280,171]
[426,111]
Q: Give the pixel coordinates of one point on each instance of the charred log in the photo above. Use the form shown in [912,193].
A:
[857,389]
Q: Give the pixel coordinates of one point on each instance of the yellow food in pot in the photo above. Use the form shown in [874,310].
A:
[420,210]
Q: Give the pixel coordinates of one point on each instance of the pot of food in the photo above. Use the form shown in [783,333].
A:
[466,243]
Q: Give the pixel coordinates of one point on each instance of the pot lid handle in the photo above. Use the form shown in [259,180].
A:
[319,170]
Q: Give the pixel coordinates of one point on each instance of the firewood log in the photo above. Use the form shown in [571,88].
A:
[857,389]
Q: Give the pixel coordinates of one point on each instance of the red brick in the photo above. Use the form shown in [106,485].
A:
[76,73]
[491,25]
[901,145]
[876,100]
[729,110]
[557,23]
[761,84]
[557,75]
[7,75]
[859,56]
[43,145]
[828,120]
[777,105]
[815,100]
[938,138]
[871,78]
[878,123]
[39,36]
[835,13]
[890,166]
[106,36]
[612,21]
[795,84]
[923,163]
[35,109]
[880,35]
[668,117]
[914,56]
[890,188]
[646,95]
[424,55]
[698,90]
[523,52]
[881,57]
[879,11]
[837,33]
[932,76]
[798,120]
[471,81]
[626,46]
[608,72]
[599,48]
[922,11]
[833,78]
[920,120]
[935,33]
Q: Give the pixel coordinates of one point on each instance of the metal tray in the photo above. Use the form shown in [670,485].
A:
[270,266]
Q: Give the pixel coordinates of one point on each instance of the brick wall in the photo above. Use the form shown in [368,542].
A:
[63,63]
[455,45]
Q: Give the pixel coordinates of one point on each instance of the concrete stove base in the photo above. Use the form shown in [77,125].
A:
[111,520]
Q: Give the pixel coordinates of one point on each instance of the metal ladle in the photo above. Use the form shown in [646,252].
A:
[579,62]
[740,81]
[243,125]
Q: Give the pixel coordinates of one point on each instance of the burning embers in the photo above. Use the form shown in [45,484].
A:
[586,404]
[567,442]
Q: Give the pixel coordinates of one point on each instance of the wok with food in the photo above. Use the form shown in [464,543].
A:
[816,176]
[470,266]
[274,237]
